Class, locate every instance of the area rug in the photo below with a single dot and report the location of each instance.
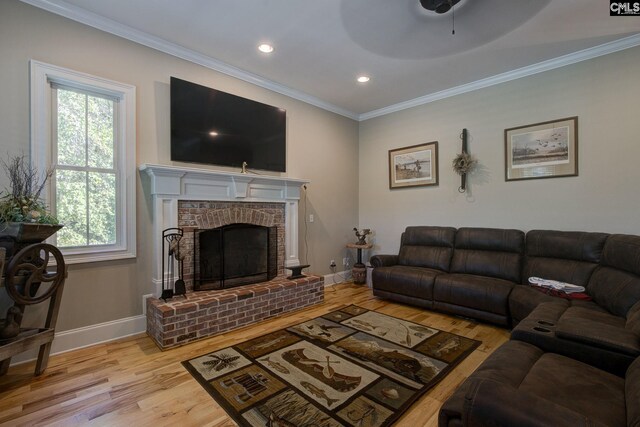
(350, 367)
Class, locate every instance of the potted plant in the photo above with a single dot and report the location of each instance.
(24, 217)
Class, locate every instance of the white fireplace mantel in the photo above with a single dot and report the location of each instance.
(168, 184)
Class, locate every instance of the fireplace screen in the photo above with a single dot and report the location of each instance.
(234, 255)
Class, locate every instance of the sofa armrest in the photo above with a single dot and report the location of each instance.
(383, 260)
(492, 403)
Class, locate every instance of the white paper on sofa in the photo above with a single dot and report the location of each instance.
(556, 285)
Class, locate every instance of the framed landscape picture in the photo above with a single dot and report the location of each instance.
(414, 166)
(542, 150)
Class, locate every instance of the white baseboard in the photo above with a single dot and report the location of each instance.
(337, 278)
(86, 336)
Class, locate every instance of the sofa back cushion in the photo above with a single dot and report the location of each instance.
(426, 246)
(622, 251)
(566, 256)
(492, 252)
(615, 285)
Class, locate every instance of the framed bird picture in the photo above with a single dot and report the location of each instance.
(542, 150)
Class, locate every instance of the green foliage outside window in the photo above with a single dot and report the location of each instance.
(85, 176)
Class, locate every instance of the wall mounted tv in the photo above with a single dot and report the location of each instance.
(214, 127)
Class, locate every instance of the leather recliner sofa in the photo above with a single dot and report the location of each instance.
(569, 362)
(469, 272)
(483, 273)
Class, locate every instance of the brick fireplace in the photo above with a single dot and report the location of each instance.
(195, 199)
(206, 215)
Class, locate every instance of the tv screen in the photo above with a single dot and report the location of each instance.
(214, 127)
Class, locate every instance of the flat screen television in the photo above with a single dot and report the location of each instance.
(213, 127)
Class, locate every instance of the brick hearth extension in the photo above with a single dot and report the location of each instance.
(207, 313)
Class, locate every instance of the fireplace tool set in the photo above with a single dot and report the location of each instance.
(173, 281)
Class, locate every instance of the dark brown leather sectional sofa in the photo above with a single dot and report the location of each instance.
(483, 273)
(524, 386)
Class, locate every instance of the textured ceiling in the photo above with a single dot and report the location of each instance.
(321, 46)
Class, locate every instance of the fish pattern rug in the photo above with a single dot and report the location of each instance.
(350, 367)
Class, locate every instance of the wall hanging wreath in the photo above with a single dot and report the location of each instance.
(464, 163)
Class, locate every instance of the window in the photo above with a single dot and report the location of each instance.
(84, 127)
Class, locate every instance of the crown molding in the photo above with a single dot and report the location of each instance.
(96, 21)
(75, 13)
(551, 64)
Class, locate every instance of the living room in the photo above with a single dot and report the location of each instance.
(345, 160)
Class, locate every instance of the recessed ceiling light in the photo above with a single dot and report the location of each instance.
(213, 133)
(265, 48)
(363, 79)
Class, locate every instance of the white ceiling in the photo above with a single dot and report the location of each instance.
(321, 46)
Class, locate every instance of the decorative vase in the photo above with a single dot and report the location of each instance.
(359, 272)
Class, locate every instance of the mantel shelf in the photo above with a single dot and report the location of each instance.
(179, 180)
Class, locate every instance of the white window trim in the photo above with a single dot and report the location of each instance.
(41, 133)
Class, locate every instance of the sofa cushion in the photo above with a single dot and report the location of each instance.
(568, 245)
(622, 252)
(490, 403)
(597, 329)
(614, 289)
(527, 373)
(616, 284)
(523, 299)
(501, 265)
(591, 305)
(478, 292)
(490, 239)
(411, 281)
(562, 270)
(587, 390)
(566, 256)
(430, 247)
(489, 252)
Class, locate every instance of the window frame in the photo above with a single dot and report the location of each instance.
(42, 150)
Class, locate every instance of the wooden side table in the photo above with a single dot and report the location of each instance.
(24, 274)
(359, 270)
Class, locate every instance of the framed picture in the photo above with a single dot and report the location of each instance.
(414, 166)
(542, 150)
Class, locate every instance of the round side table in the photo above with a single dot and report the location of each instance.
(359, 270)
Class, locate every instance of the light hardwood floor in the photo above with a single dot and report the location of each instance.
(130, 382)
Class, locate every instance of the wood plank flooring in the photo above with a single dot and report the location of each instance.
(130, 382)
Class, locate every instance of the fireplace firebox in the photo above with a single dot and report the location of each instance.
(234, 255)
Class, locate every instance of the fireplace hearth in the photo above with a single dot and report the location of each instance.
(234, 255)
(203, 314)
